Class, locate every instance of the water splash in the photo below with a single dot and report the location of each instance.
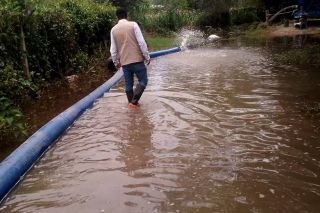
(213, 37)
(195, 38)
(191, 38)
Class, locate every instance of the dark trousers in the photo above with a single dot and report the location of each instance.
(136, 69)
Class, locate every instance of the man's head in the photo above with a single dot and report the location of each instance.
(121, 13)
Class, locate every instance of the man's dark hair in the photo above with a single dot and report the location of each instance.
(121, 13)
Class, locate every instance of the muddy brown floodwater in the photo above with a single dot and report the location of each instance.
(219, 130)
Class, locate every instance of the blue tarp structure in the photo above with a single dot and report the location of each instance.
(308, 8)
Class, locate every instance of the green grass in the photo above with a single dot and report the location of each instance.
(256, 33)
(161, 42)
(308, 55)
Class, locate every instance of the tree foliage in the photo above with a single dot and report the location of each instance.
(128, 4)
(10, 118)
(59, 36)
(215, 6)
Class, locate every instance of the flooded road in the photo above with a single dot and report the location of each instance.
(218, 130)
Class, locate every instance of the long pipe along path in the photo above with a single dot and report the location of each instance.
(17, 164)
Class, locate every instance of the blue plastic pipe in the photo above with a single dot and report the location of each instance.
(15, 166)
(164, 52)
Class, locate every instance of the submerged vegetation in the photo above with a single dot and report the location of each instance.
(309, 54)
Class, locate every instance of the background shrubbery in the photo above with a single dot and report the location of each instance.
(166, 16)
(164, 20)
(245, 15)
(60, 37)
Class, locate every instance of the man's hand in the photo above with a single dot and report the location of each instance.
(118, 66)
(148, 62)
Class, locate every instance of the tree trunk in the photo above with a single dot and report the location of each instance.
(24, 54)
(106, 44)
(279, 13)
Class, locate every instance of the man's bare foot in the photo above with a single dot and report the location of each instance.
(133, 106)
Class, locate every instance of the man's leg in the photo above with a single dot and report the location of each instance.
(129, 95)
(137, 94)
(141, 73)
(128, 78)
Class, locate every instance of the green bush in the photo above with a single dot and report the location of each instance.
(221, 19)
(12, 87)
(91, 21)
(164, 21)
(60, 37)
(243, 15)
(51, 43)
(56, 35)
(13, 84)
(9, 39)
(11, 118)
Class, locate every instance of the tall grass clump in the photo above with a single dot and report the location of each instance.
(159, 19)
(173, 20)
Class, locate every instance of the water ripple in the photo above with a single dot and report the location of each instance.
(220, 134)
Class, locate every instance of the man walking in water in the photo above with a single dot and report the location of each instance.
(129, 50)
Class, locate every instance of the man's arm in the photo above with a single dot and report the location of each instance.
(114, 52)
(142, 43)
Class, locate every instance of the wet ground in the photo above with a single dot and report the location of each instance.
(280, 30)
(219, 130)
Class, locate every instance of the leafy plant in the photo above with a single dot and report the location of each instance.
(11, 118)
(59, 36)
(14, 85)
(55, 34)
(169, 20)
